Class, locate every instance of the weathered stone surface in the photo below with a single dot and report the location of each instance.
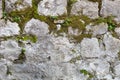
(52, 7)
(55, 57)
(84, 7)
(112, 47)
(11, 5)
(3, 70)
(10, 50)
(49, 48)
(45, 71)
(90, 48)
(64, 50)
(40, 51)
(27, 71)
(99, 29)
(117, 69)
(8, 29)
(0, 8)
(36, 27)
(117, 30)
(101, 68)
(111, 8)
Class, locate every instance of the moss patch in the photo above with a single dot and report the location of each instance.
(80, 37)
(27, 37)
(109, 20)
(76, 22)
(85, 72)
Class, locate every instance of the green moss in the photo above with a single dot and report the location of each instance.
(16, 19)
(99, 20)
(29, 37)
(109, 20)
(86, 19)
(75, 22)
(85, 72)
(25, 15)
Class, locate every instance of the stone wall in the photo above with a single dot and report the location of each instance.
(59, 40)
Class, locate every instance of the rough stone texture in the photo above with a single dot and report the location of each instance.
(8, 29)
(90, 48)
(100, 67)
(117, 69)
(0, 8)
(12, 5)
(117, 30)
(49, 48)
(111, 8)
(84, 7)
(52, 7)
(55, 57)
(9, 50)
(112, 47)
(36, 27)
(45, 71)
(100, 29)
(3, 69)
(97, 67)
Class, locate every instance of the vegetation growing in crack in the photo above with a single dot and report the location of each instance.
(21, 58)
(1, 56)
(85, 72)
(3, 5)
(29, 38)
(76, 22)
(73, 60)
(80, 37)
(69, 5)
(4, 16)
(109, 20)
(119, 55)
(8, 71)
